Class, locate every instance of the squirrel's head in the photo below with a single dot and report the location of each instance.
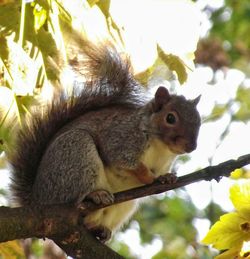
(176, 120)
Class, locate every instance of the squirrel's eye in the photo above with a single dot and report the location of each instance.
(171, 119)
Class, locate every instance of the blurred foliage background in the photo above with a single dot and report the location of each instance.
(168, 41)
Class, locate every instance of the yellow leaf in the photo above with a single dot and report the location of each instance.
(40, 16)
(245, 250)
(92, 2)
(3, 162)
(240, 197)
(11, 250)
(8, 109)
(174, 63)
(237, 173)
(143, 77)
(239, 252)
(230, 231)
(231, 253)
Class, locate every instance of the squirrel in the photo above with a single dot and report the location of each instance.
(103, 139)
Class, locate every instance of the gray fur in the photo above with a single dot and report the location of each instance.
(110, 83)
(61, 156)
(64, 168)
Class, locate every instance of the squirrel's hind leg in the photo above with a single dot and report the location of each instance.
(69, 169)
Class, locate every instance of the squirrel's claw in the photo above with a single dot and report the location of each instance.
(101, 197)
(168, 178)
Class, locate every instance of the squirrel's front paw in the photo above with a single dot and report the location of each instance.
(101, 197)
(168, 178)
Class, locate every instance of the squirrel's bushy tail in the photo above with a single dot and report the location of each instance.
(109, 82)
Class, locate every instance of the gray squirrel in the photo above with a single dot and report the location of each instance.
(103, 140)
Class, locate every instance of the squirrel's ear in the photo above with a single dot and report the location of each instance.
(196, 100)
(162, 96)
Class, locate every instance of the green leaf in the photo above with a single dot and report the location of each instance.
(174, 63)
(144, 76)
(4, 51)
(217, 112)
(24, 102)
(10, 18)
(121, 248)
(37, 248)
(161, 217)
(243, 97)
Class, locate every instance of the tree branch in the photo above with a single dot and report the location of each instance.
(61, 223)
(64, 223)
(209, 173)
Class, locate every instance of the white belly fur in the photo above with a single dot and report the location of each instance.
(157, 157)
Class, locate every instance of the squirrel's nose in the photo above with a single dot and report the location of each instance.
(190, 146)
(186, 145)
